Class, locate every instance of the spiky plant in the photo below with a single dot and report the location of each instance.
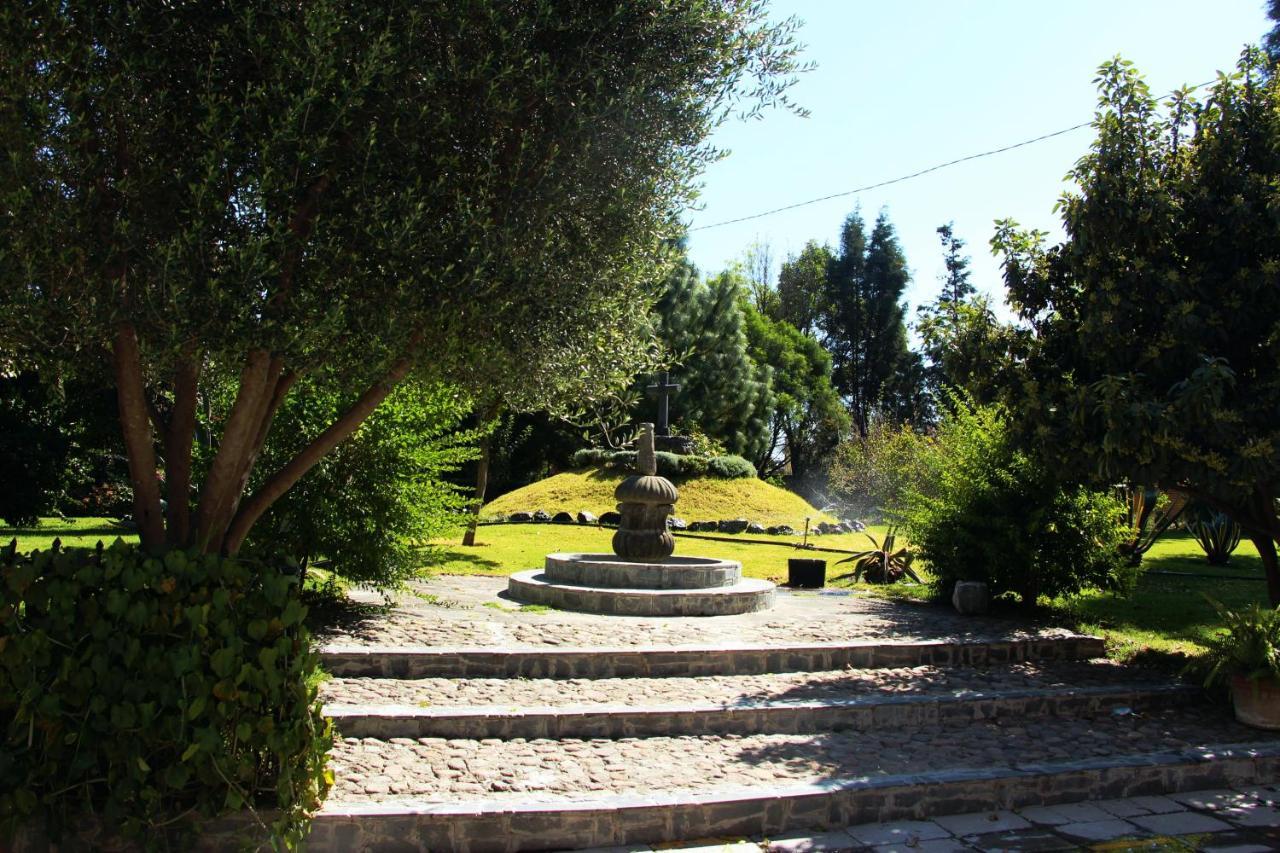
(882, 563)
(1218, 535)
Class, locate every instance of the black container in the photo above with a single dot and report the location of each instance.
(805, 573)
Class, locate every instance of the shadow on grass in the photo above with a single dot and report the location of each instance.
(438, 557)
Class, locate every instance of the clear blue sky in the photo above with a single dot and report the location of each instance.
(906, 84)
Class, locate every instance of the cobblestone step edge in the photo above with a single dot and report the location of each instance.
(860, 713)
(503, 827)
(691, 661)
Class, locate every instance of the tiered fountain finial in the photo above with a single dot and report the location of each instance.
(644, 502)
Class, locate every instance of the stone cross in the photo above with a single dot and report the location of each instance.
(664, 387)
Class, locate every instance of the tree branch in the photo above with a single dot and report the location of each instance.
(341, 429)
(136, 427)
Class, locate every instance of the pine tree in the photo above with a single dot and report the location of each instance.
(723, 392)
(956, 288)
(863, 323)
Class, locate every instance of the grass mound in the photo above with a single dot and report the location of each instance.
(701, 499)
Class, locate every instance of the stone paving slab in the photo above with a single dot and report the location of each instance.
(546, 770)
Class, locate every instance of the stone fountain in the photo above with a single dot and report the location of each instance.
(641, 577)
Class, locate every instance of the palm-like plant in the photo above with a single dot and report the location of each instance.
(882, 563)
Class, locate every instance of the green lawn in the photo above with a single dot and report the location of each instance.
(74, 533)
(505, 548)
(1167, 616)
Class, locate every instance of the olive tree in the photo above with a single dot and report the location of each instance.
(1154, 353)
(358, 192)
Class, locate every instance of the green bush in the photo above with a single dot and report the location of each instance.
(671, 465)
(372, 504)
(144, 690)
(984, 511)
(730, 467)
(870, 474)
(588, 457)
(693, 466)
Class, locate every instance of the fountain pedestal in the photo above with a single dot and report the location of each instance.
(642, 578)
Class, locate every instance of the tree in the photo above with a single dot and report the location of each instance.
(1271, 41)
(256, 192)
(808, 419)
(757, 266)
(802, 287)
(723, 392)
(863, 319)
(956, 288)
(1155, 357)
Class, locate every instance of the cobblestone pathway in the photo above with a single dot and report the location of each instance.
(730, 689)
(468, 612)
(551, 770)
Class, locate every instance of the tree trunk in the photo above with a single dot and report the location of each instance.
(135, 424)
(482, 483)
(178, 438)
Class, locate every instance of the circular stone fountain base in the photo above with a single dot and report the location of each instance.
(744, 596)
(610, 570)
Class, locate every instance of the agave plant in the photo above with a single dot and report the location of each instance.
(1217, 533)
(881, 563)
(1151, 512)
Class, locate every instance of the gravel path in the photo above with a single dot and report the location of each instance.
(460, 611)
(728, 689)
(552, 771)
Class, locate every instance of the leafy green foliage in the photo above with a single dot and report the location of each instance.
(808, 418)
(802, 283)
(981, 510)
(1217, 534)
(141, 689)
(882, 563)
(1156, 342)
(33, 449)
(1250, 645)
(370, 506)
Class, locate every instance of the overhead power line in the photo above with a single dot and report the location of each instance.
(902, 178)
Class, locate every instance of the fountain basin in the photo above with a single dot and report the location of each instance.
(614, 572)
(746, 596)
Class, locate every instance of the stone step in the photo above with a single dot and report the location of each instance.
(743, 704)
(495, 795)
(562, 662)
(860, 713)
(747, 595)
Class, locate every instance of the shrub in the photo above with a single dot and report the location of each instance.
(730, 467)
(371, 505)
(588, 457)
(869, 475)
(141, 689)
(669, 464)
(984, 511)
(693, 466)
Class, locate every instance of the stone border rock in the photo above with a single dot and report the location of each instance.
(863, 713)
(661, 661)
(497, 827)
(746, 596)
